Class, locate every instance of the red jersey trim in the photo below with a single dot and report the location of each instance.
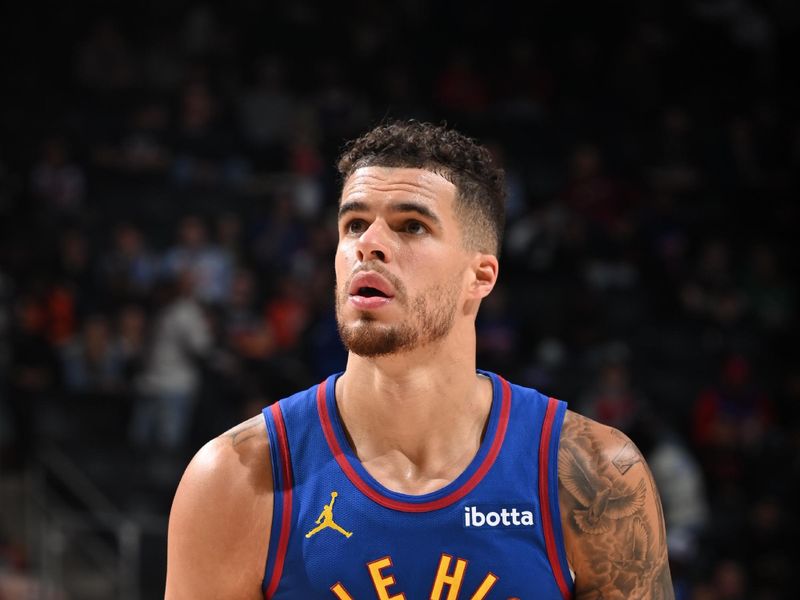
(544, 498)
(286, 496)
(454, 496)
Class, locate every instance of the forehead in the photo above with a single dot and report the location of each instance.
(399, 184)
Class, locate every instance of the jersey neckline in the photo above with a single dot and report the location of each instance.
(441, 498)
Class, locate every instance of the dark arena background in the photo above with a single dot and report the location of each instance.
(167, 200)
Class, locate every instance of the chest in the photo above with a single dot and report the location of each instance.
(343, 545)
(493, 532)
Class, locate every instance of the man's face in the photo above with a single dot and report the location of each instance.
(400, 262)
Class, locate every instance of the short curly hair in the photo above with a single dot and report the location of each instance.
(480, 188)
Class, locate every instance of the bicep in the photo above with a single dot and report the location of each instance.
(219, 527)
(611, 513)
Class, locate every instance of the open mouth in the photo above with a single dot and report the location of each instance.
(370, 286)
(370, 292)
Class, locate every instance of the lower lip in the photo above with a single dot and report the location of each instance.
(369, 303)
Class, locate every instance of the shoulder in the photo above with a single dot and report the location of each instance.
(607, 444)
(220, 517)
(240, 456)
(611, 514)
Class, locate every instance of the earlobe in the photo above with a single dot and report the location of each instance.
(485, 269)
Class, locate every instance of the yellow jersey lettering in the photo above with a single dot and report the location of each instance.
(383, 582)
(452, 581)
(339, 591)
(485, 586)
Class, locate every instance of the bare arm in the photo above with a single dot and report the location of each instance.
(220, 521)
(612, 516)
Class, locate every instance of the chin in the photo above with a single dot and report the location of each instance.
(370, 339)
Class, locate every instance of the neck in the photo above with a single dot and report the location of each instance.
(415, 419)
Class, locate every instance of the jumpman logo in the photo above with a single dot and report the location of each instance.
(325, 520)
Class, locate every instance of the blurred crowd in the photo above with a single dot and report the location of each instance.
(168, 195)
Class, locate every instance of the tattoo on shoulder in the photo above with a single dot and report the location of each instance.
(608, 510)
(244, 431)
(626, 458)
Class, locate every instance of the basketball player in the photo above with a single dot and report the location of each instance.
(412, 475)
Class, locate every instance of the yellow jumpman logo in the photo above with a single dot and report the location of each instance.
(325, 519)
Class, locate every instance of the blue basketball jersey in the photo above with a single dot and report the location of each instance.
(493, 533)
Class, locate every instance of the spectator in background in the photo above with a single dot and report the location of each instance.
(340, 108)
(229, 232)
(535, 239)
(279, 235)
(141, 149)
(246, 332)
(94, 379)
(168, 385)
(729, 421)
(205, 150)
(266, 112)
(546, 367)
(711, 294)
(243, 345)
(305, 163)
(602, 202)
(210, 266)
(61, 312)
(57, 181)
(32, 375)
(74, 288)
(516, 192)
(497, 331)
(772, 529)
(729, 581)
(611, 398)
(320, 344)
(666, 236)
(91, 364)
(771, 297)
(130, 340)
(129, 270)
(288, 312)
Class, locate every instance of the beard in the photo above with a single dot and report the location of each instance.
(431, 315)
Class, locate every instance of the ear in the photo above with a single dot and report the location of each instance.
(485, 269)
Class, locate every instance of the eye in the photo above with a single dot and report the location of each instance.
(415, 228)
(355, 227)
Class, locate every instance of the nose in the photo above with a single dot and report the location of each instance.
(374, 244)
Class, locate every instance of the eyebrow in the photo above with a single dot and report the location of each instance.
(401, 207)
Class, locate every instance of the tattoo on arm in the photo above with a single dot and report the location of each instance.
(626, 458)
(612, 514)
(244, 431)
